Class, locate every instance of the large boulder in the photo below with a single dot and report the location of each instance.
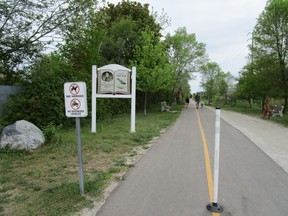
(22, 135)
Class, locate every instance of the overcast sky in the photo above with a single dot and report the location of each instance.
(223, 25)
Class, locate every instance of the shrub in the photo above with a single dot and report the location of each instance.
(51, 134)
(42, 101)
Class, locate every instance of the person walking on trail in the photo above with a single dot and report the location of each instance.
(187, 100)
(197, 99)
(266, 109)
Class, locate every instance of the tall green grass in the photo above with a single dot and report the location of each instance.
(46, 181)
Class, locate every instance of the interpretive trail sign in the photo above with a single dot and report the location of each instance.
(113, 81)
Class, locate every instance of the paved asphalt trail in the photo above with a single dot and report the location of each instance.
(171, 178)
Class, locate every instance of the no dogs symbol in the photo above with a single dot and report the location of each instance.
(74, 89)
(75, 104)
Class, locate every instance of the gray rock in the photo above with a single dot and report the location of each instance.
(22, 135)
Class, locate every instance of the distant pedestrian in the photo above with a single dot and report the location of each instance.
(197, 100)
(187, 100)
(202, 105)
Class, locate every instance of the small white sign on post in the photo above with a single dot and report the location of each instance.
(75, 99)
(76, 106)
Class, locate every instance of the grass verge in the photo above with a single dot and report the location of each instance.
(46, 182)
(256, 112)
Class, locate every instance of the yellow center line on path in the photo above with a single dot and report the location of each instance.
(207, 161)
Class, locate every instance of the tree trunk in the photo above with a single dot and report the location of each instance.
(173, 92)
(145, 103)
(285, 103)
(250, 105)
(263, 102)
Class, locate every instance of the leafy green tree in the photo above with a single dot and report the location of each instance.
(209, 72)
(222, 85)
(120, 43)
(246, 87)
(109, 35)
(26, 27)
(124, 23)
(154, 72)
(215, 82)
(257, 81)
(231, 86)
(270, 42)
(42, 101)
(186, 55)
(82, 41)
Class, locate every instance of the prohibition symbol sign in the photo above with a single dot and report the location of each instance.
(75, 104)
(74, 88)
(75, 99)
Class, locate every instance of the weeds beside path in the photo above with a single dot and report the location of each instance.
(46, 181)
(256, 112)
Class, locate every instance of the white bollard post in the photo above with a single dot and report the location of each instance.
(214, 206)
(94, 86)
(133, 100)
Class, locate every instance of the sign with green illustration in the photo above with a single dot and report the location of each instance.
(113, 82)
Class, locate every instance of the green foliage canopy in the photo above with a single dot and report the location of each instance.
(186, 55)
(42, 101)
(123, 24)
(26, 27)
(269, 49)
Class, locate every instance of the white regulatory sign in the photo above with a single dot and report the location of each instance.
(75, 99)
